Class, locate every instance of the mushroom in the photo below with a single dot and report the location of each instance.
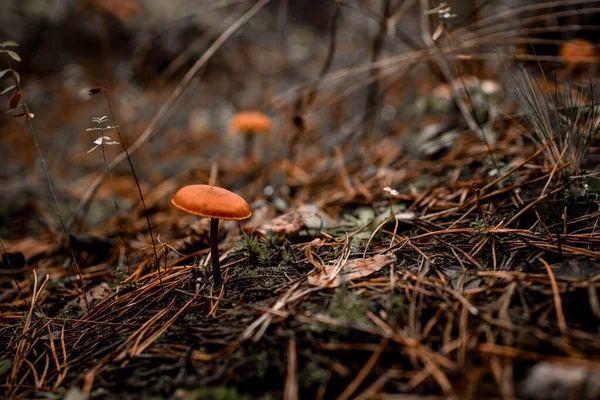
(250, 123)
(215, 203)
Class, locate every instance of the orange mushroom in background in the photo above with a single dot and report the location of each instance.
(124, 10)
(249, 124)
(215, 203)
(577, 52)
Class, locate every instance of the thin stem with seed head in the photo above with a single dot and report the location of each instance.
(137, 183)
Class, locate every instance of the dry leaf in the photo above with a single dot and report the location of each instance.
(14, 100)
(286, 224)
(94, 296)
(29, 247)
(261, 214)
(352, 269)
(307, 216)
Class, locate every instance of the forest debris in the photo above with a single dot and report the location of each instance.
(30, 247)
(262, 212)
(92, 243)
(306, 216)
(551, 381)
(578, 268)
(352, 269)
(289, 224)
(94, 296)
(158, 195)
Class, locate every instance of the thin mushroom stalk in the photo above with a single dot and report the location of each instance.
(214, 251)
(250, 147)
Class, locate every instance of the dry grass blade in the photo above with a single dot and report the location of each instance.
(24, 346)
(560, 119)
(562, 324)
(291, 381)
(364, 371)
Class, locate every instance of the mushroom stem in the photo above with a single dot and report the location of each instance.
(251, 147)
(214, 250)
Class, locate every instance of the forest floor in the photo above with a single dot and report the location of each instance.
(405, 239)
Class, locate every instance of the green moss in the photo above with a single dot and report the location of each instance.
(262, 251)
(312, 375)
(357, 244)
(397, 308)
(346, 306)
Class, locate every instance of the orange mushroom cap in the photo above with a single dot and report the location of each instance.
(250, 122)
(125, 10)
(577, 51)
(211, 201)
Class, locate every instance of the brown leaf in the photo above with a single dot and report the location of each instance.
(306, 216)
(94, 296)
(286, 224)
(29, 247)
(352, 269)
(14, 100)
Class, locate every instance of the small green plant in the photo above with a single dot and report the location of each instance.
(287, 254)
(248, 245)
(358, 244)
(366, 220)
(264, 251)
(478, 227)
(65, 313)
(101, 127)
(121, 272)
(268, 249)
(81, 207)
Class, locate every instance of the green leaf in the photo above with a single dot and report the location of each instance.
(5, 365)
(13, 55)
(10, 43)
(366, 215)
(4, 72)
(8, 89)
